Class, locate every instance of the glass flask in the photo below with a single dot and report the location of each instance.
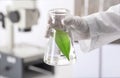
(53, 55)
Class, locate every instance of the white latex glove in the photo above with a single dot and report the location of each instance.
(78, 26)
(80, 31)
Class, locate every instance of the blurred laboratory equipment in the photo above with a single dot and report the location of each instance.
(15, 59)
(53, 55)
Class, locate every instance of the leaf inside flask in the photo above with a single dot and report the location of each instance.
(62, 40)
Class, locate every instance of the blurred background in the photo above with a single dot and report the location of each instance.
(100, 63)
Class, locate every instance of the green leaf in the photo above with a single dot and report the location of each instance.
(62, 40)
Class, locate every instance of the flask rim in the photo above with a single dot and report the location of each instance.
(59, 11)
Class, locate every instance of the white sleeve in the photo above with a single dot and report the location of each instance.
(104, 28)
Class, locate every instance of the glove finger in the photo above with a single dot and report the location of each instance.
(72, 20)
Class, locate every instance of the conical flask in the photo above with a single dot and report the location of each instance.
(53, 55)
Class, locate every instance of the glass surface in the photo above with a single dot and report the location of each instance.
(53, 55)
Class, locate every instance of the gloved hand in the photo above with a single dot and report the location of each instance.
(78, 26)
